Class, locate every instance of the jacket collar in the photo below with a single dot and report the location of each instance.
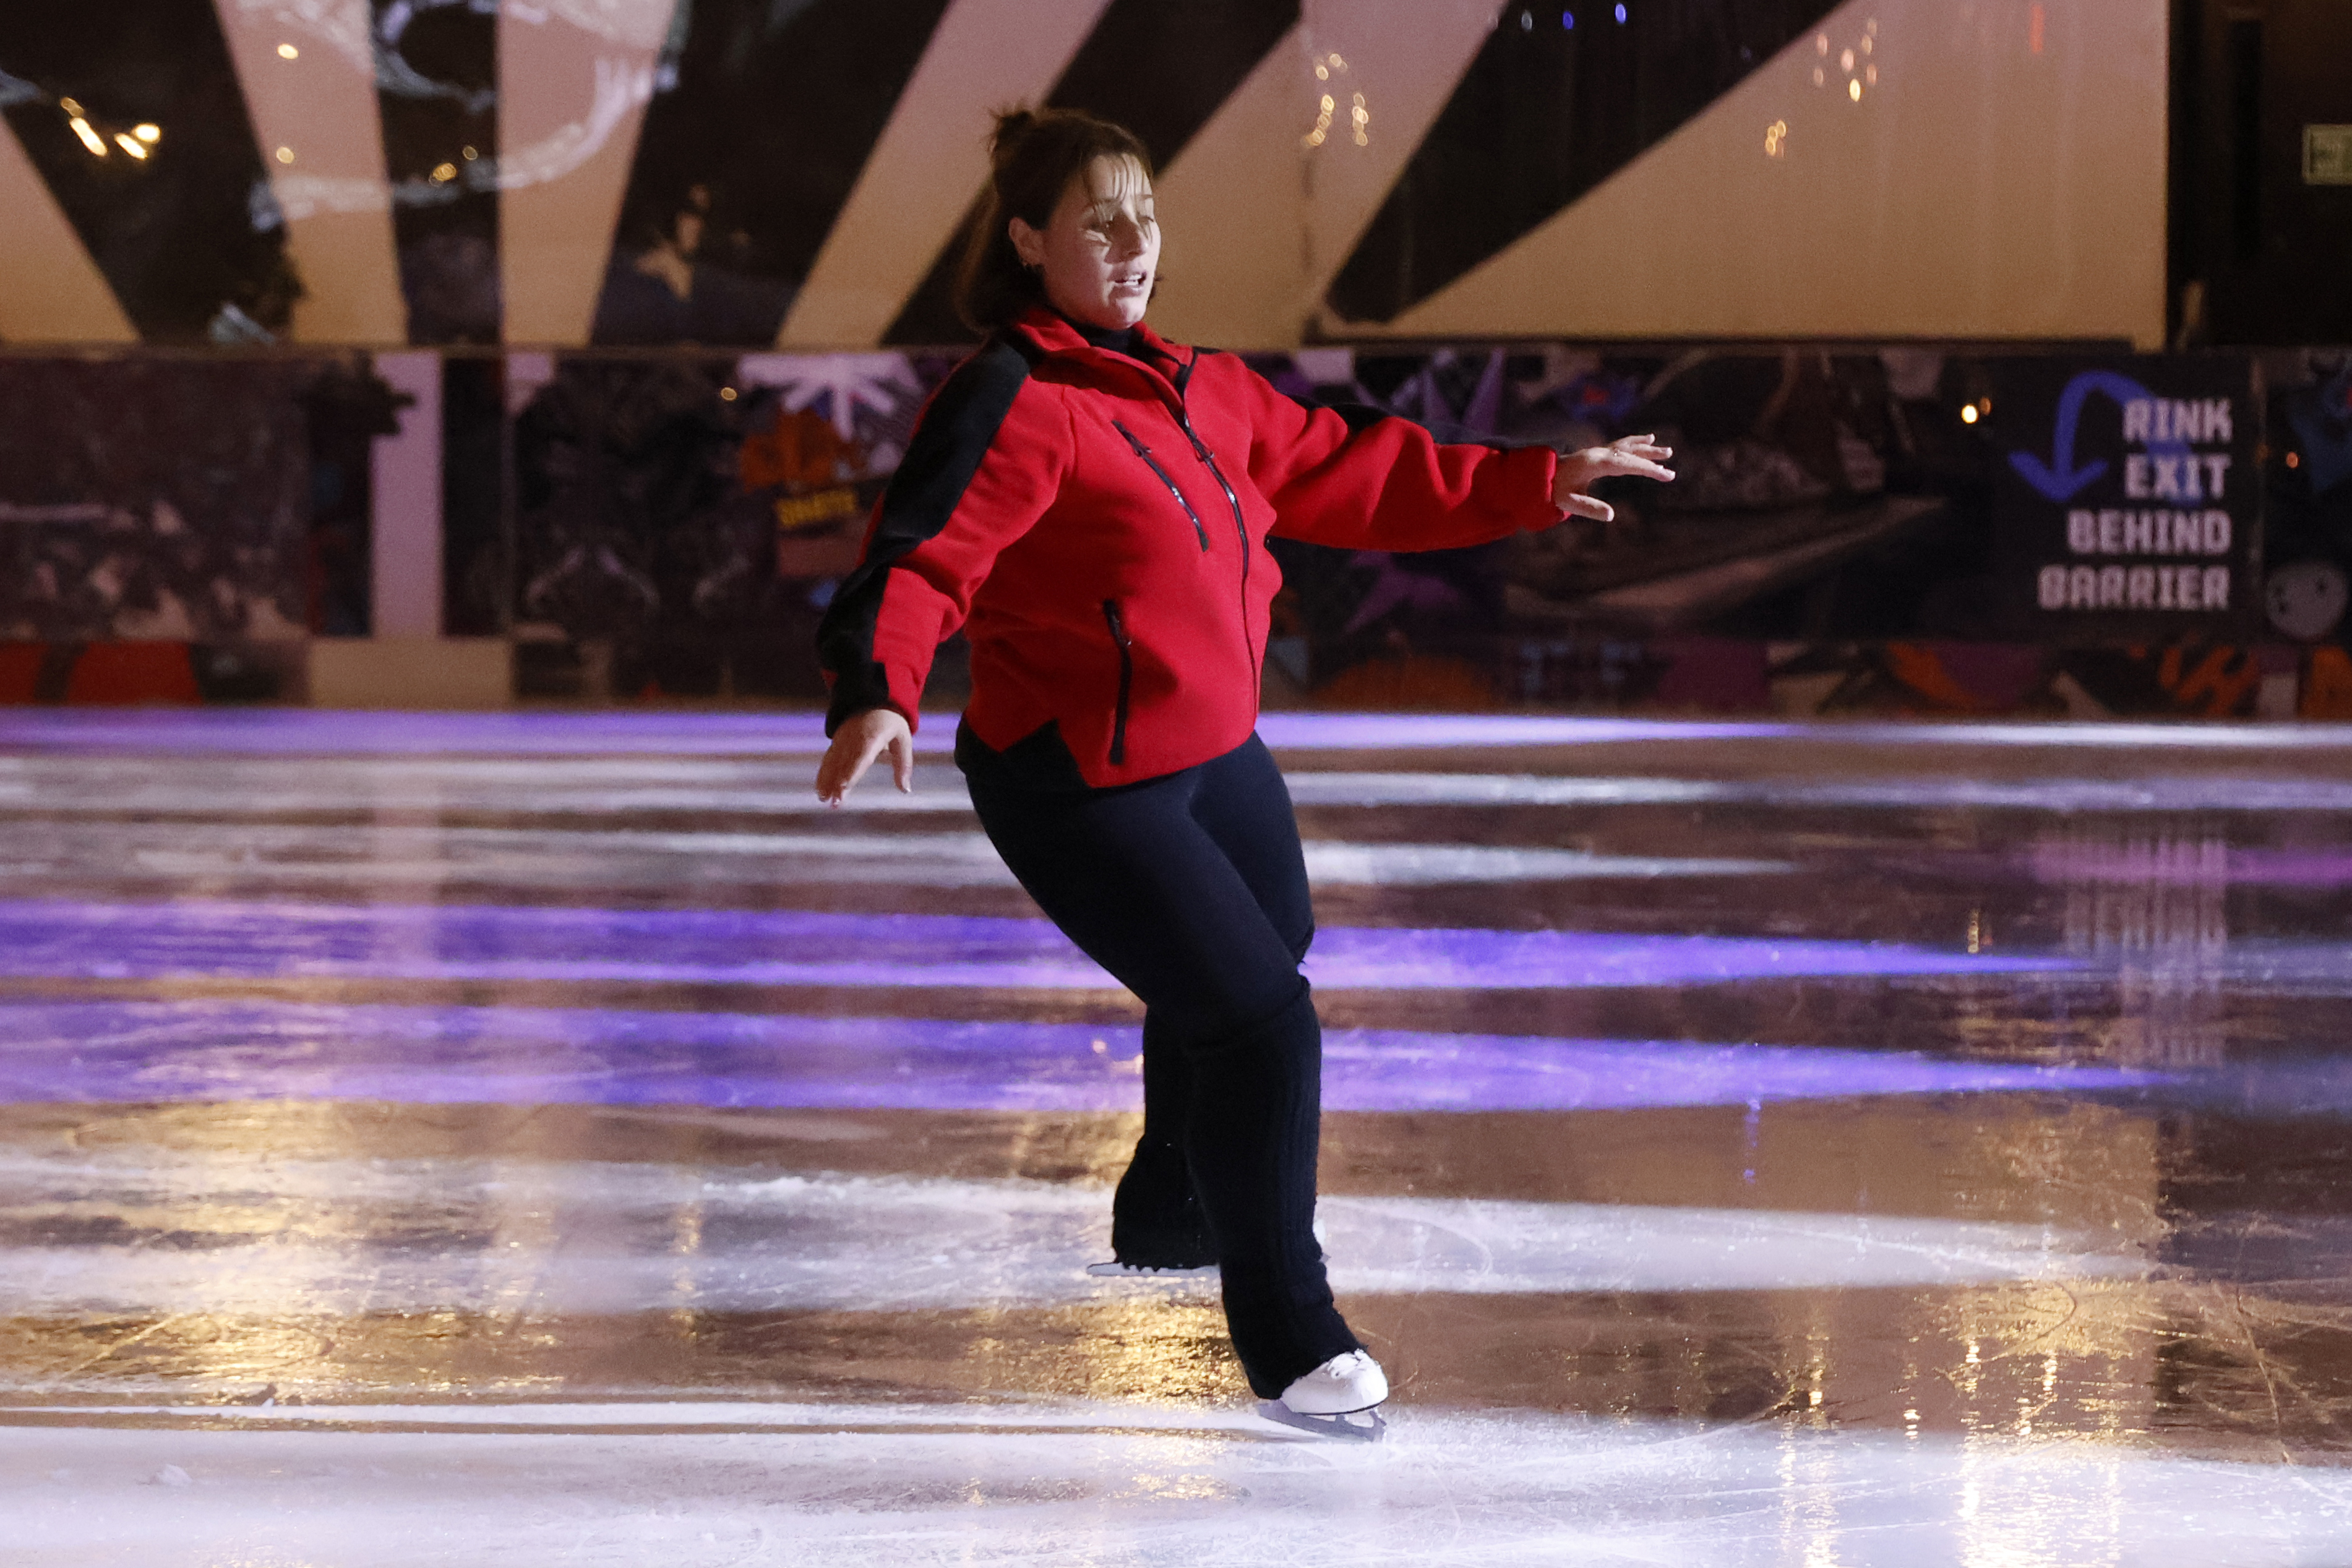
(1055, 337)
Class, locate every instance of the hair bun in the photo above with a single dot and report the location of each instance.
(1013, 127)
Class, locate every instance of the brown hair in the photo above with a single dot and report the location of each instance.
(1033, 156)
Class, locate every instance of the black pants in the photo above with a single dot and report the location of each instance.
(1191, 891)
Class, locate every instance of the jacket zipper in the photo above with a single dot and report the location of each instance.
(1145, 453)
(1208, 459)
(1118, 625)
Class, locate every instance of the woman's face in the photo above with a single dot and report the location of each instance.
(1098, 252)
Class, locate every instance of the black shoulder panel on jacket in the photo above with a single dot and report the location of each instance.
(949, 444)
(1359, 417)
(1362, 417)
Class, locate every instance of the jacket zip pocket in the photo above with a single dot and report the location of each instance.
(1208, 460)
(1118, 625)
(1145, 453)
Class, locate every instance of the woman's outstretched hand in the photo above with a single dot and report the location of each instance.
(860, 739)
(1578, 471)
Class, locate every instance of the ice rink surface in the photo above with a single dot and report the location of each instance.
(552, 1139)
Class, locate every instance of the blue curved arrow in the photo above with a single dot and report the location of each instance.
(2059, 479)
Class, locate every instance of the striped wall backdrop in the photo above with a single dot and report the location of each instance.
(797, 173)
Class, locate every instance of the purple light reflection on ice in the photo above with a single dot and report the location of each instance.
(274, 731)
(481, 942)
(227, 1050)
(1381, 957)
(2278, 868)
(286, 731)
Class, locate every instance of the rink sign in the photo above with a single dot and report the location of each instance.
(2126, 493)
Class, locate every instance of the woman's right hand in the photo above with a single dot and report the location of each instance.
(1640, 455)
(861, 738)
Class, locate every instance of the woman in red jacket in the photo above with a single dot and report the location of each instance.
(1090, 505)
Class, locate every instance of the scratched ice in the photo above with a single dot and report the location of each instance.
(305, 1231)
(227, 1050)
(1076, 1484)
(235, 785)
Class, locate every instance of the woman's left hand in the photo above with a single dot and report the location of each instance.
(1578, 471)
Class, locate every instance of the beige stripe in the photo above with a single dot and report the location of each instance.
(574, 77)
(50, 290)
(1258, 217)
(1976, 189)
(1406, 56)
(319, 106)
(1233, 211)
(930, 161)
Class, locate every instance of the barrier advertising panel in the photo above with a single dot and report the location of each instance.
(2127, 494)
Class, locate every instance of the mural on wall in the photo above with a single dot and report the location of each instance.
(684, 521)
(672, 528)
(154, 499)
(1829, 548)
(157, 539)
(2307, 517)
(1818, 496)
(2185, 679)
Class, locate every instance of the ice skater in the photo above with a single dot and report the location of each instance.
(1090, 504)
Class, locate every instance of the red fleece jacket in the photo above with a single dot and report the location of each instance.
(1096, 524)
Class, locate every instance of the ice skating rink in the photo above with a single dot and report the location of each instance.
(543, 1139)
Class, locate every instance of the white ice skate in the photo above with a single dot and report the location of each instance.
(1335, 1400)
(1115, 1270)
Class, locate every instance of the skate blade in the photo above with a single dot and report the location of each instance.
(1117, 1271)
(1354, 1427)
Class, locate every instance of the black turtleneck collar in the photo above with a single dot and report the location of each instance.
(1119, 341)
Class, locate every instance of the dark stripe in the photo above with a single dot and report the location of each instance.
(766, 116)
(1548, 111)
(186, 232)
(437, 93)
(1162, 67)
(946, 451)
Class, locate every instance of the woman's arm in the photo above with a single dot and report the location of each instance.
(984, 462)
(1364, 479)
